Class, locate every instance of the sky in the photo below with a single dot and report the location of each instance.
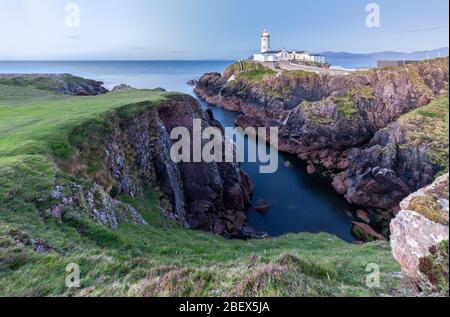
(213, 29)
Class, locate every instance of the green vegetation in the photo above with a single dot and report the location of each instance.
(40, 124)
(37, 131)
(428, 126)
(298, 74)
(40, 82)
(412, 71)
(307, 107)
(435, 267)
(430, 208)
(362, 91)
(346, 106)
(277, 93)
(252, 72)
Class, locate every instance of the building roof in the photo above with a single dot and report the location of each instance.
(271, 52)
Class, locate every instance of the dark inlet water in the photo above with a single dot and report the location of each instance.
(298, 202)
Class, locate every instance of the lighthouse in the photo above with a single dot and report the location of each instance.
(265, 42)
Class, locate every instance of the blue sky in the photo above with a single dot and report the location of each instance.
(214, 29)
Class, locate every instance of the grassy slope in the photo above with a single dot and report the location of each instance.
(159, 259)
(429, 126)
(253, 72)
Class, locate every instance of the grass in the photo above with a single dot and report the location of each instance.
(308, 109)
(43, 124)
(252, 72)
(298, 74)
(346, 106)
(435, 267)
(38, 128)
(39, 82)
(429, 207)
(428, 126)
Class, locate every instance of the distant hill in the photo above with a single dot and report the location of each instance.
(352, 60)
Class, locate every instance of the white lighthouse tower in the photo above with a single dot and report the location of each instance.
(265, 42)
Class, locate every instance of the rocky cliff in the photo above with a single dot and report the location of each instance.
(129, 152)
(343, 125)
(419, 237)
(65, 84)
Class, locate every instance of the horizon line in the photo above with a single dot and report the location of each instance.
(208, 59)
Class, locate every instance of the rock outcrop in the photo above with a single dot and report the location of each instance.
(73, 201)
(134, 153)
(419, 236)
(365, 233)
(65, 84)
(345, 126)
(122, 87)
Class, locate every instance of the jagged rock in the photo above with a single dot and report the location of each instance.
(196, 195)
(64, 83)
(122, 87)
(364, 216)
(192, 82)
(311, 169)
(288, 164)
(73, 200)
(365, 233)
(420, 232)
(345, 124)
(41, 246)
(250, 233)
(262, 206)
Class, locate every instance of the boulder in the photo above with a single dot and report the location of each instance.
(311, 169)
(122, 87)
(362, 215)
(262, 206)
(288, 164)
(192, 82)
(420, 234)
(366, 233)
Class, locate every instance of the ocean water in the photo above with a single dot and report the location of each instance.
(298, 202)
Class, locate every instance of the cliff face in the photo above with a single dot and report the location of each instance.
(400, 159)
(344, 125)
(132, 152)
(419, 237)
(65, 84)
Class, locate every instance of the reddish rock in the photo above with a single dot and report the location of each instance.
(262, 206)
(368, 147)
(343, 164)
(366, 233)
(395, 210)
(339, 184)
(364, 216)
(311, 169)
(288, 164)
(199, 196)
(415, 239)
(424, 100)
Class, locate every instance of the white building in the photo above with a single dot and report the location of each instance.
(267, 55)
(265, 42)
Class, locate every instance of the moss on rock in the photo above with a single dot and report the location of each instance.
(428, 127)
(436, 267)
(428, 206)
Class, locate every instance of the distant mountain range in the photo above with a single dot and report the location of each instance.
(352, 60)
